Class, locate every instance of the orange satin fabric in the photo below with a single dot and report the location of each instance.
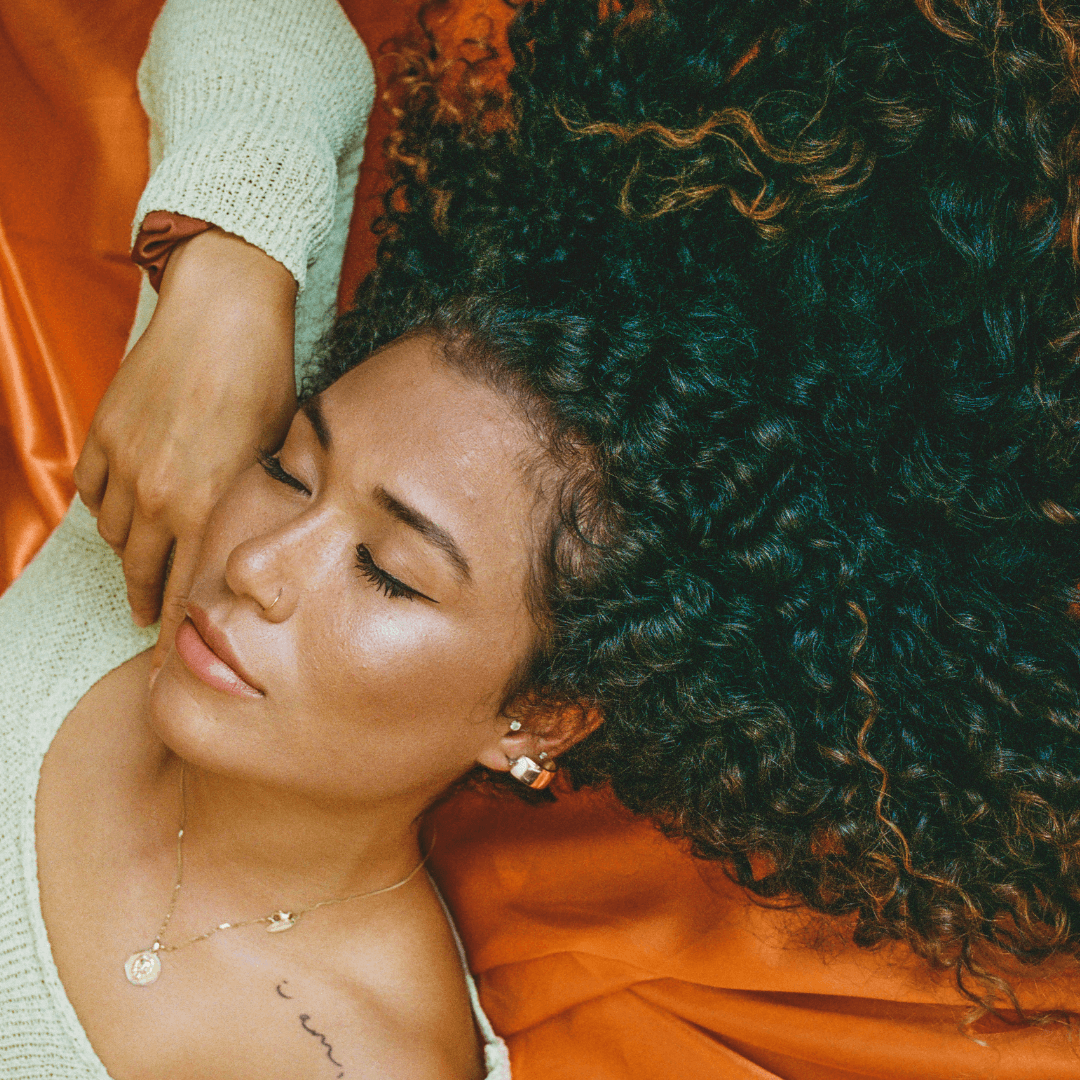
(603, 951)
(73, 161)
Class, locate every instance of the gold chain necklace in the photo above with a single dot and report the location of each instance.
(144, 967)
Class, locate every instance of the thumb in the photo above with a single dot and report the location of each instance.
(174, 602)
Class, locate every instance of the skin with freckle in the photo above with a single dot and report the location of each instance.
(357, 616)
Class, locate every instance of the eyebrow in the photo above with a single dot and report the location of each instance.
(407, 515)
(312, 409)
(432, 533)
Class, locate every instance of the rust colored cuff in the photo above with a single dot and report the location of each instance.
(161, 231)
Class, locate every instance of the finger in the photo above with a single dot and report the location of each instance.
(114, 515)
(92, 474)
(146, 557)
(174, 603)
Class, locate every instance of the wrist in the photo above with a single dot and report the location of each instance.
(225, 270)
(224, 321)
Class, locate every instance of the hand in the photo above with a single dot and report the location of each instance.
(209, 383)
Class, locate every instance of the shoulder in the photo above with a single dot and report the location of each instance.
(73, 590)
(395, 1043)
(413, 1008)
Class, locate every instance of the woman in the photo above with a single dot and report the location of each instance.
(815, 256)
(370, 620)
(847, 692)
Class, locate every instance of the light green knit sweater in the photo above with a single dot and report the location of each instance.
(258, 111)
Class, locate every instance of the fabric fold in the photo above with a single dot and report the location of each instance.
(158, 236)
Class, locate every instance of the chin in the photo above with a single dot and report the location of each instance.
(205, 727)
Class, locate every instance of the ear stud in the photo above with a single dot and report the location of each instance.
(515, 725)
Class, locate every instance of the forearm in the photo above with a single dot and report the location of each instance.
(258, 110)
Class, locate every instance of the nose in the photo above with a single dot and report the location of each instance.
(255, 571)
(271, 569)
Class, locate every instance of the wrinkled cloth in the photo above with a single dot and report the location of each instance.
(73, 161)
(604, 951)
(160, 232)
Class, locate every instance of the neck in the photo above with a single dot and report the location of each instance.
(275, 846)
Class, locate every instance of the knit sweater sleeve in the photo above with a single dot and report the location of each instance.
(258, 111)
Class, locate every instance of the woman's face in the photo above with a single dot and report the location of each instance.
(359, 607)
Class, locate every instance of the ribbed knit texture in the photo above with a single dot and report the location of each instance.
(253, 105)
(63, 624)
(258, 109)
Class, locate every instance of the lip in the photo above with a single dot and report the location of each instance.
(206, 652)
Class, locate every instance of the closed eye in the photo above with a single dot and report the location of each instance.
(365, 563)
(384, 582)
(271, 464)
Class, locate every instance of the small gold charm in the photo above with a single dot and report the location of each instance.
(142, 968)
(280, 920)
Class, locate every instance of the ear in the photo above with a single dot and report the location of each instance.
(549, 730)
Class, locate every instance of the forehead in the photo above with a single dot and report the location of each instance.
(452, 446)
(414, 402)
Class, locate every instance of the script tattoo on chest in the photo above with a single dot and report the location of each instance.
(304, 1023)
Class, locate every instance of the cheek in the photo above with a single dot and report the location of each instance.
(390, 701)
(399, 675)
(410, 690)
(367, 696)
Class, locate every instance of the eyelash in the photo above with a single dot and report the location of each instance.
(271, 464)
(384, 582)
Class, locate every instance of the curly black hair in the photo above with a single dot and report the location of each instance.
(804, 274)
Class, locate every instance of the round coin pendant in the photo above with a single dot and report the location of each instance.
(281, 920)
(142, 968)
